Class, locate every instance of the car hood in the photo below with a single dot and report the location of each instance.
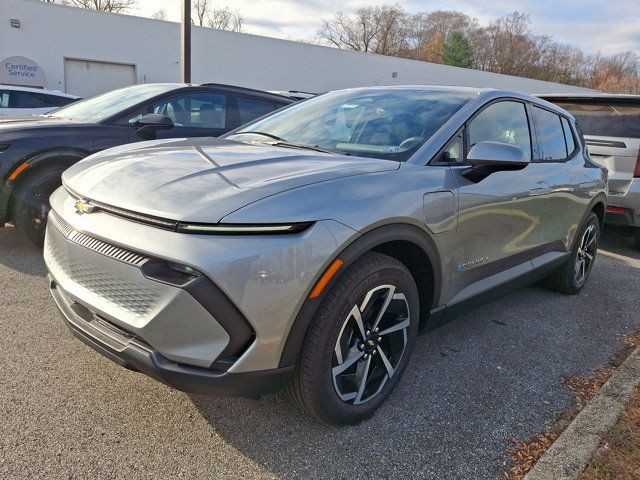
(204, 179)
(21, 122)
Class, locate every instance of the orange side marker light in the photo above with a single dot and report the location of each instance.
(18, 171)
(326, 277)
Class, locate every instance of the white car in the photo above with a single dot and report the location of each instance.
(611, 126)
(26, 100)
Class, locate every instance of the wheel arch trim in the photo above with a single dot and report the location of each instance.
(349, 254)
(35, 161)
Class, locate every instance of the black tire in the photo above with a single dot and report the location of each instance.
(31, 204)
(314, 387)
(571, 277)
(637, 238)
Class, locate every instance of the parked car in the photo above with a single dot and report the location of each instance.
(34, 151)
(309, 247)
(31, 101)
(611, 126)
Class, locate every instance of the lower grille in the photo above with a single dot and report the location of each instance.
(114, 282)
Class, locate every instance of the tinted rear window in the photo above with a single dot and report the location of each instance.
(606, 119)
(250, 109)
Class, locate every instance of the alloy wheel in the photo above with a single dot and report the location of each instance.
(586, 254)
(370, 345)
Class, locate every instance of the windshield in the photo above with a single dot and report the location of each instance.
(101, 107)
(389, 124)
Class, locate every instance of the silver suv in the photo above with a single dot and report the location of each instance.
(611, 126)
(309, 247)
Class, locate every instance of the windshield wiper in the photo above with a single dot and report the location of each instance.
(303, 147)
(281, 142)
(264, 134)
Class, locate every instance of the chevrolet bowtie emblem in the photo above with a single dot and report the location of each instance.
(83, 206)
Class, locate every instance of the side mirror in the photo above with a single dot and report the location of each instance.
(148, 125)
(488, 157)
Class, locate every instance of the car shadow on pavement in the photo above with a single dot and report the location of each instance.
(19, 254)
(620, 241)
(472, 384)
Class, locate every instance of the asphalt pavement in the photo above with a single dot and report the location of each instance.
(494, 374)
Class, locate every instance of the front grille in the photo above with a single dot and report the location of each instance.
(68, 252)
(103, 248)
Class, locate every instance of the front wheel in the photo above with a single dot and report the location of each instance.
(359, 342)
(31, 205)
(572, 276)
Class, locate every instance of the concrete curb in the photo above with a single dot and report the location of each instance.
(569, 454)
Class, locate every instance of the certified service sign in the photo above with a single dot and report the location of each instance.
(22, 71)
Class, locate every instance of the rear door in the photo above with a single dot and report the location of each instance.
(570, 183)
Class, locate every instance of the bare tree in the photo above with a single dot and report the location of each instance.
(113, 6)
(443, 22)
(225, 19)
(616, 72)
(201, 9)
(159, 15)
(383, 30)
(221, 18)
(429, 50)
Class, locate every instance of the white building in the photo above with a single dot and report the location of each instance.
(85, 52)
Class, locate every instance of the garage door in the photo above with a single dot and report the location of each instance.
(86, 78)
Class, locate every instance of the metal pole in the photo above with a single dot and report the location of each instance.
(185, 41)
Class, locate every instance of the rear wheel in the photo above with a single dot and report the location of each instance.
(31, 205)
(572, 276)
(359, 342)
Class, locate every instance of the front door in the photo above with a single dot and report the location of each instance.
(195, 114)
(499, 216)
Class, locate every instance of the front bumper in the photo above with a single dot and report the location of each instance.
(266, 279)
(132, 353)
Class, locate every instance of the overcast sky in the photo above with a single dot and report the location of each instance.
(608, 26)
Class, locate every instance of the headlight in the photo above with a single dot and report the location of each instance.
(242, 229)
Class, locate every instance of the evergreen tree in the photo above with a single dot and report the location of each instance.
(457, 51)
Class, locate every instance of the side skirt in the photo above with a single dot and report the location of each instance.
(541, 267)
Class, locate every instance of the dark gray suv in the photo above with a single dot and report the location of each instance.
(309, 247)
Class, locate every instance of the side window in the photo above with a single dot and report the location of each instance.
(195, 110)
(4, 99)
(551, 144)
(568, 136)
(452, 152)
(134, 117)
(504, 122)
(47, 100)
(27, 100)
(250, 109)
(57, 101)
